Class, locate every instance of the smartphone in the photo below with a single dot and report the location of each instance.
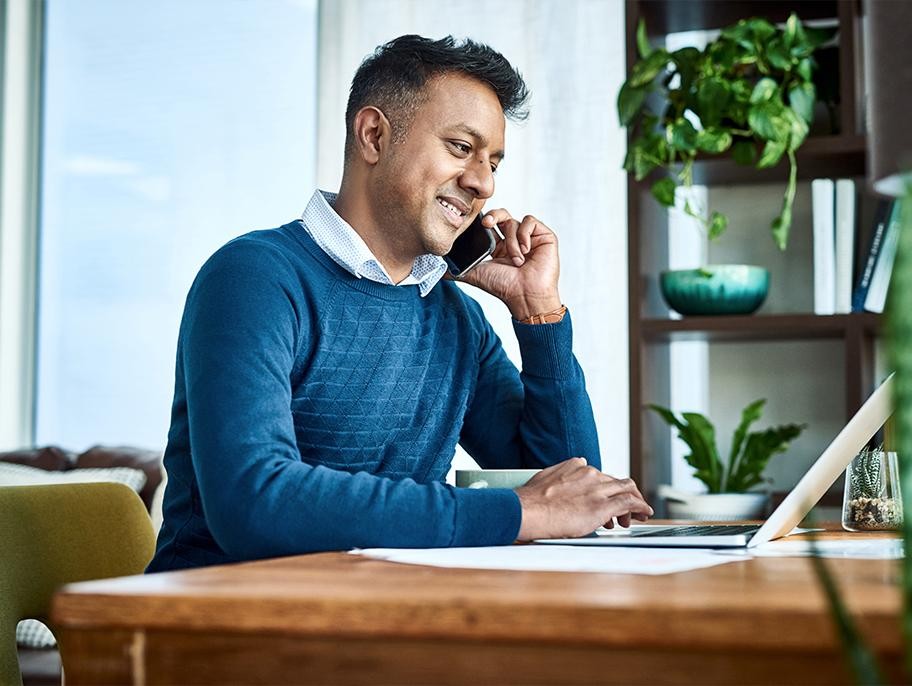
(470, 248)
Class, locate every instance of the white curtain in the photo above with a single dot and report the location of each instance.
(562, 165)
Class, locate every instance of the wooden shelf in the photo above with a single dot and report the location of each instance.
(822, 156)
(784, 327)
(672, 16)
(842, 156)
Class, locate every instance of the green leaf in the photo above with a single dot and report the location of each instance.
(643, 164)
(741, 91)
(758, 450)
(714, 140)
(781, 226)
(860, 656)
(744, 152)
(772, 153)
(687, 62)
(767, 122)
(642, 40)
(778, 55)
(790, 36)
(684, 135)
(736, 32)
(765, 90)
(749, 34)
(816, 37)
(799, 129)
(702, 441)
(761, 30)
(630, 100)
(645, 71)
(698, 434)
(749, 415)
(723, 55)
(801, 47)
(628, 161)
(649, 151)
(663, 190)
(667, 415)
(805, 68)
(801, 99)
(783, 222)
(718, 222)
(713, 96)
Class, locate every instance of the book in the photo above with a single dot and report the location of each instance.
(823, 208)
(844, 244)
(881, 219)
(883, 268)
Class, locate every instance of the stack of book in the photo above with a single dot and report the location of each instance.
(833, 204)
(835, 289)
(870, 292)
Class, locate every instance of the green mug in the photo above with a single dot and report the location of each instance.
(493, 478)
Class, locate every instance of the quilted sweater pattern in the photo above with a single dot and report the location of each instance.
(317, 411)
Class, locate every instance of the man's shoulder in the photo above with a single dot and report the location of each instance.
(268, 243)
(276, 250)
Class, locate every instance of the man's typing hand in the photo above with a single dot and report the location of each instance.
(573, 499)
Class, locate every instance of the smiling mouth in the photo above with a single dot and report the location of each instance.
(454, 212)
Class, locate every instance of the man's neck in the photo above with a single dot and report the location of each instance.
(355, 209)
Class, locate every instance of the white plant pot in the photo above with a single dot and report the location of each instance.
(713, 507)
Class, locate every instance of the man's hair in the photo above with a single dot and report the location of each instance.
(394, 79)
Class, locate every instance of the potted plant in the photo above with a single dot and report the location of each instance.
(728, 485)
(749, 94)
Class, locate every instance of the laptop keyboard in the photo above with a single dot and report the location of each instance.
(709, 530)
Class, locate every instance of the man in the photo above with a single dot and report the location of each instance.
(325, 373)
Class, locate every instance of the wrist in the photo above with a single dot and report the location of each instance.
(529, 525)
(524, 308)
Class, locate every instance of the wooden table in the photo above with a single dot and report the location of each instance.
(337, 618)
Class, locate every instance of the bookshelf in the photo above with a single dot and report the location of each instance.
(846, 341)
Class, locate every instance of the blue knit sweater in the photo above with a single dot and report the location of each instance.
(317, 411)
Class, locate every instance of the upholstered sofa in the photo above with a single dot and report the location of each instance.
(139, 468)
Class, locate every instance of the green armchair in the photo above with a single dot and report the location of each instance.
(58, 534)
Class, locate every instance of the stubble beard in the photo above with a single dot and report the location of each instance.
(414, 229)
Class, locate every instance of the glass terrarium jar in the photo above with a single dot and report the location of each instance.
(872, 500)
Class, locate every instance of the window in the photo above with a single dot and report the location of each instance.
(169, 127)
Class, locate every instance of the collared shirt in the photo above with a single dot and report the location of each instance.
(343, 244)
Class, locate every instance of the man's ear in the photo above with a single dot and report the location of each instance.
(372, 133)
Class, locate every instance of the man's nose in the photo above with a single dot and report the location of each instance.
(478, 178)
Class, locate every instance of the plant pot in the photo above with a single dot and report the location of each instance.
(718, 289)
(713, 507)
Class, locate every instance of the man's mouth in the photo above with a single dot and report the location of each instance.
(454, 210)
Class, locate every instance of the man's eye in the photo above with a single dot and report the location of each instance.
(461, 147)
(493, 168)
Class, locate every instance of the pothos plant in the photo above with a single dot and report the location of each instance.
(749, 93)
(749, 454)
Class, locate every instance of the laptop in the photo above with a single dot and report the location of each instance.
(822, 474)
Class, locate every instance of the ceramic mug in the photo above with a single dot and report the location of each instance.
(493, 478)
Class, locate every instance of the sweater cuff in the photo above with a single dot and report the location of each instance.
(545, 347)
(486, 516)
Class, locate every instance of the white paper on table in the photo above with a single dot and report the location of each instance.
(556, 558)
(860, 549)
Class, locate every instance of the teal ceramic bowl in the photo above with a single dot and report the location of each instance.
(718, 289)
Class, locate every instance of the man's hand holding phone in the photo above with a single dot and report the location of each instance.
(524, 268)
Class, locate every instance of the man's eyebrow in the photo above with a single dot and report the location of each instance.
(465, 128)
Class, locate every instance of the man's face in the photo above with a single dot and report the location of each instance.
(436, 180)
